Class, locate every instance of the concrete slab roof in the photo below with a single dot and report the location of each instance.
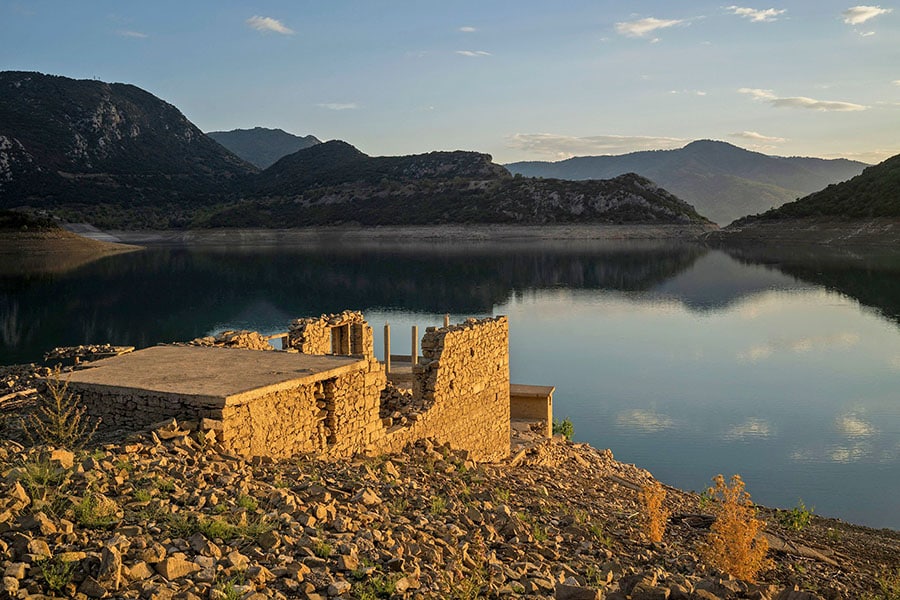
(230, 375)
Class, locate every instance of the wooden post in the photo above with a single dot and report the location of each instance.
(387, 348)
(414, 349)
(447, 320)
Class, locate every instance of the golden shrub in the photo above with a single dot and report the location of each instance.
(652, 497)
(734, 544)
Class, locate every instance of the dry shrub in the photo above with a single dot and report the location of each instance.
(60, 418)
(734, 545)
(652, 497)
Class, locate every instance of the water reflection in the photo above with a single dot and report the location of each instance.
(684, 360)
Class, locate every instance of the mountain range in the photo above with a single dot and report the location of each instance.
(723, 182)
(118, 157)
(260, 146)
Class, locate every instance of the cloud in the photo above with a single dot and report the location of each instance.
(896, 82)
(801, 101)
(564, 146)
(473, 53)
(644, 421)
(692, 92)
(339, 105)
(757, 16)
(749, 429)
(756, 136)
(642, 27)
(267, 24)
(862, 13)
(866, 33)
(132, 34)
(467, 29)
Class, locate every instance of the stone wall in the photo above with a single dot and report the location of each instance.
(343, 333)
(464, 382)
(132, 410)
(334, 417)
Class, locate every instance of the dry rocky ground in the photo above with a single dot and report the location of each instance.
(165, 514)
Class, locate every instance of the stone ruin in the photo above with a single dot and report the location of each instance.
(327, 395)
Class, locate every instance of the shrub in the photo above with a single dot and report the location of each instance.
(60, 419)
(888, 586)
(564, 428)
(96, 512)
(652, 498)
(56, 573)
(797, 518)
(734, 545)
(47, 484)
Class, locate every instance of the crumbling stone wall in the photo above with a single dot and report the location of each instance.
(333, 417)
(464, 382)
(344, 333)
(132, 410)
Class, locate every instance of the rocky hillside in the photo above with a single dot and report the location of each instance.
(260, 146)
(862, 211)
(166, 514)
(722, 181)
(335, 183)
(105, 151)
(117, 157)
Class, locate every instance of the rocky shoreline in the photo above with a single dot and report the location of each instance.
(827, 231)
(409, 234)
(167, 514)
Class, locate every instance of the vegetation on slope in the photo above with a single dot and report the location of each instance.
(874, 193)
(722, 181)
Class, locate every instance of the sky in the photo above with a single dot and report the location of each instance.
(521, 79)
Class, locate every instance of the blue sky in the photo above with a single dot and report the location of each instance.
(521, 80)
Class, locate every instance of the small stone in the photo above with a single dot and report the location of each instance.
(63, 458)
(176, 568)
(16, 570)
(139, 571)
(92, 588)
(110, 572)
(39, 548)
(347, 562)
(576, 592)
(237, 560)
(339, 587)
(154, 553)
(10, 585)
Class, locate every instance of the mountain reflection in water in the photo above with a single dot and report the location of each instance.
(781, 365)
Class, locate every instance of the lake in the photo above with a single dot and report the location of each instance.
(780, 365)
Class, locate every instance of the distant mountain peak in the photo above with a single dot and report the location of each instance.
(262, 146)
(722, 181)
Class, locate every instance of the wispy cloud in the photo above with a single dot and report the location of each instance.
(468, 29)
(565, 146)
(757, 16)
(268, 24)
(131, 34)
(339, 105)
(757, 137)
(643, 27)
(860, 14)
(800, 101)
(896, 82)
(690, 92)
(473, 53)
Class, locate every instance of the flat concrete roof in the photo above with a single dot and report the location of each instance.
(229, 375)
(534, 391)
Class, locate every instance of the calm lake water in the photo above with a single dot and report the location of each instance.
(781, 366)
